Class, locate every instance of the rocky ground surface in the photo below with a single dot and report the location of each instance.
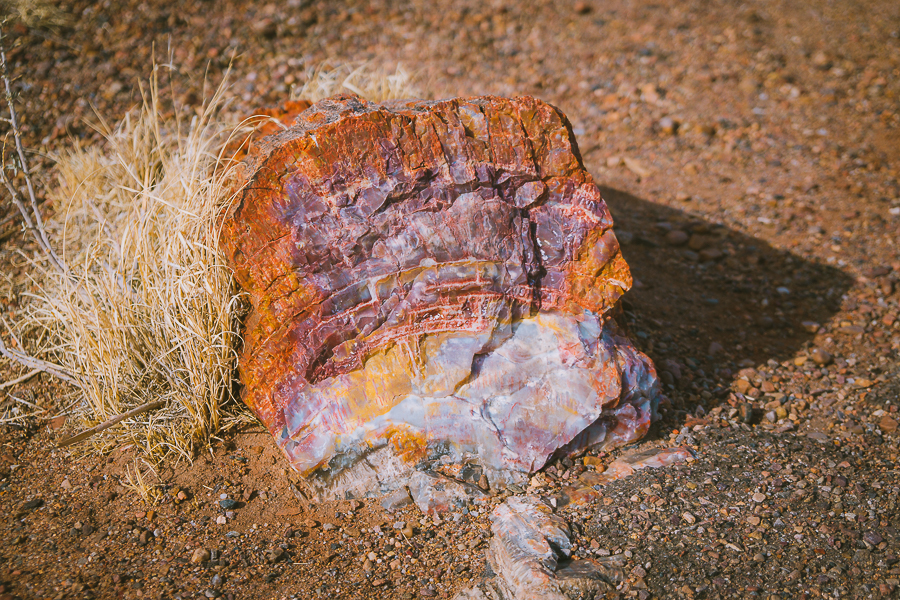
(749, 155)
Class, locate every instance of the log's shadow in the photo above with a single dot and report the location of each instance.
(713, 300)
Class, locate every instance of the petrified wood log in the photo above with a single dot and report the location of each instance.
(430, 283)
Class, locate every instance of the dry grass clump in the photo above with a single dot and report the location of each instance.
(143, 312)
(147, 309)
(139, 482)
(362, 79)
(44, 14)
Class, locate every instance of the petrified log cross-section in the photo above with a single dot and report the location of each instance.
(429, 285)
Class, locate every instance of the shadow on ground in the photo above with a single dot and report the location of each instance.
(722, 300)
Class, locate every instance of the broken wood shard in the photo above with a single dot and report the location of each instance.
(530, 553)
(430, 286)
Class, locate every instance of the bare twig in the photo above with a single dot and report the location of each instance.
(11, 332)
(107, 424)
(36, 226)
(24, 377)
(27, 403)
(36, 363)
(27, 360)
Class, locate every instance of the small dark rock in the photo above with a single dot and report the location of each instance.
(745, 410)
(582, 8)
(676, 237)
(32, 504)
(870, 537)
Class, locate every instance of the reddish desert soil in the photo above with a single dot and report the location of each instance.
(749, 153)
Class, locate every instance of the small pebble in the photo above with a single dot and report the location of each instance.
(821, 357)
(676, 237)
(200, 555)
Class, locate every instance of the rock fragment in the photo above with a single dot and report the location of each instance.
(676, 237)
(531, 549)
(821, 356)
(396, 500)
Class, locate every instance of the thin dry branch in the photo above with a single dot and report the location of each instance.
(35, 226)
(107, 424)
(25, 377)
(36, 363)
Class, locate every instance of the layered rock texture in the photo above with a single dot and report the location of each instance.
(430, 286)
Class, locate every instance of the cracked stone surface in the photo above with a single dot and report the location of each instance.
(431, 286)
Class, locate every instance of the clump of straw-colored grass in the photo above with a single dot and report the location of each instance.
(43, 14)
(360, 78)
(145, 309)
(139, 482)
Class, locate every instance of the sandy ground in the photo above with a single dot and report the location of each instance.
(749, 153)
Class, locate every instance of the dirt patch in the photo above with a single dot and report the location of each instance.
(763, 130)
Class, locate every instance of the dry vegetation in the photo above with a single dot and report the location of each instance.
(44, 14)
(143, 311)
(362, 79)
(146, 309)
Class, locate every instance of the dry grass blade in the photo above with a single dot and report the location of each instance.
(16, 408)
(109, 423)
(36, 13)
(363, 79)
(139, 484)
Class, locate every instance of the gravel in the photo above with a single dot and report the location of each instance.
(765, 135)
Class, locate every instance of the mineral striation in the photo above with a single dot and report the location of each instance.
(431, 286)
